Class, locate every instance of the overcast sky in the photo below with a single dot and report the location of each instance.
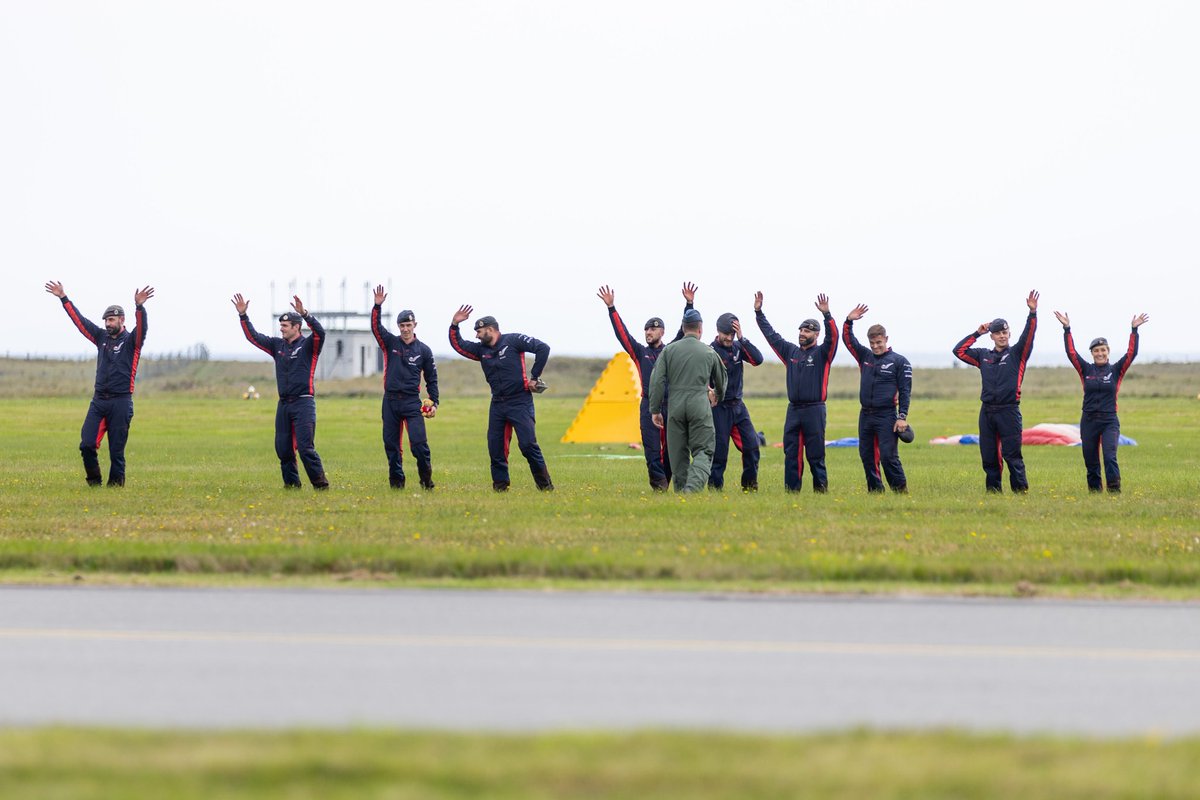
(935, 160)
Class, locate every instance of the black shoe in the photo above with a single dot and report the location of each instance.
(427, 485)
(901, 489)
(500, 486)
(821, 489)
(116, 482)
(750, 487)
(395, 484)
(1115, 489)
(549, 487)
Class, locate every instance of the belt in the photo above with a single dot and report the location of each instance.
(999, 406)
(293, 398)
(809, 405)
(401, 396)
(111, 395)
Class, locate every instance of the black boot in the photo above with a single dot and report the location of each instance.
(426, 475)
(500, 486)
(321, 483)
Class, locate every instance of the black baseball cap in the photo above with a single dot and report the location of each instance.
(291, 316)
(487, 322)
(406, 316)
(725, 322)
(810, 325)
(998, 325)
(113, 311)
(907, 435)
(654, 322)
(1099, 340)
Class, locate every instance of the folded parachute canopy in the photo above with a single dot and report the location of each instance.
(1043, 433)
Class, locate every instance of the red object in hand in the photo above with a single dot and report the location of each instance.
(427, 409)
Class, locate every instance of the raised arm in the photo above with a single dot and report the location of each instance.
(856, 348)
(464, 348)
(377, 329)
(318, 330)
(634, 349)
(90, 330)
(1069, 343)
(259, 340)
(689, 299)
(782, 347)
(1131, 351)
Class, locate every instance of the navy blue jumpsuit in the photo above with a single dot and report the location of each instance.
(111, 409)
(511, 409)
(403, 367)
(1001, 373)
(1099, 427)
(296, 414)
(807, 388)
(732, 420)
(884, 392)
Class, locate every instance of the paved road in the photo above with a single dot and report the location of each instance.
(523, 661)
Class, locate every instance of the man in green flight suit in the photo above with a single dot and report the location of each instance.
(688, 368)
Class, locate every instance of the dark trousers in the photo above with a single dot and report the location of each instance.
(1000, 441)
(804, 437)
(1100, 434)
(295, 430)
(506, 416)
(654, 446)
(400, 413)
(111, 415)
(732, 421)
(877, 446)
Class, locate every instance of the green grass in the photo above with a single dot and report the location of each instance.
(89, 763)
(204, 503)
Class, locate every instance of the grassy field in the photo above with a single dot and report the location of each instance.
(366, 764)
(204, 502)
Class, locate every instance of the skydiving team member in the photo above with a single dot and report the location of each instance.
(117, 354)
(885, 388)
(1099, 427)
(1001, 371)
(502, 357)
(295, 358)
(405, 361)
(658, 464)
(807, 387)
(730, 417)
(690, 370)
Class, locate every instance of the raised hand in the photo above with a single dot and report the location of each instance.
(298, 305)
(1032, 300)
(758, 298)
(822, 304)
(55, 288)
(461, 315)
(982, 329)
(140, 296)
(607, 295)
(380, 295)
(858, 311)
(737, 328)
(240, 303)
(689, 291)
(1064, 319)
(1140, 320)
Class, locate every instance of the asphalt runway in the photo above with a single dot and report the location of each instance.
(521, 661)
